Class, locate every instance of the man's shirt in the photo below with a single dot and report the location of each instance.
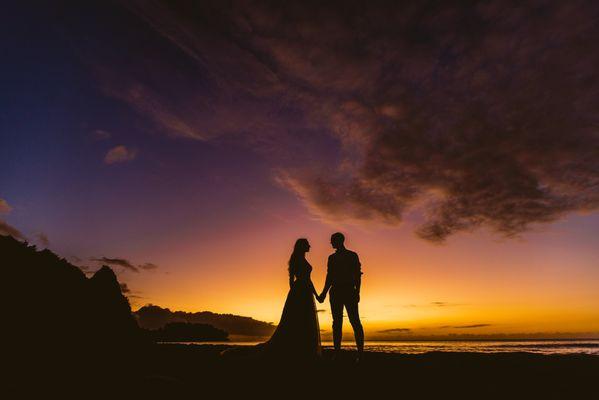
(343, 269)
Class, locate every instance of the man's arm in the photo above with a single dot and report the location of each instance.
(358, 278)
(328, 282)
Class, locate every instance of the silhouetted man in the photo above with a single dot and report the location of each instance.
(344, 279)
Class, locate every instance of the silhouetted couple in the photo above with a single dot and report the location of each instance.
(298, 333)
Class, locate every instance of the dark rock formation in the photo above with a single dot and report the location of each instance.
(61, 322)
(154, 317)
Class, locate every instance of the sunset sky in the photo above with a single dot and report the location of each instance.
(188, 144)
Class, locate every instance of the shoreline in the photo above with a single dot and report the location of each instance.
(347, 343)
(547, 347)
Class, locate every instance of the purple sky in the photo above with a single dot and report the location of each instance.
(161, 131)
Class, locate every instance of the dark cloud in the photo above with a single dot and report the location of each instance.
(481, 115)
(148, 266)
(396, 330)
(7, 229)
(464, 326)
(120, 262)
(462, 123)
(446, 304)
(124, 288)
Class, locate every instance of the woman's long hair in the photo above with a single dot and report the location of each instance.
(299, 249)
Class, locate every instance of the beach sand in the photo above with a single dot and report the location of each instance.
(194, 369)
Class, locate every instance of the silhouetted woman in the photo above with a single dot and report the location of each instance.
(298, 333)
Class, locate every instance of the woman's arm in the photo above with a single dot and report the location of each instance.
(314, 292)
(291, 274)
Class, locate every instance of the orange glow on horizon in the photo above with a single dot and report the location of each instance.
(475, 285)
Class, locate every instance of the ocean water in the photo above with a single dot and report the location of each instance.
(470, 346)
(539, 347)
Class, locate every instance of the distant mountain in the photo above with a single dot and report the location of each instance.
(155, 317)
(186, 332)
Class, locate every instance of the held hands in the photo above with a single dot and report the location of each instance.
(320, 298)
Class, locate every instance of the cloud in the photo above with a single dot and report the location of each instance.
(120, 154)
(433, 304)
(456, 131)
(7, 229)
(446, 304)
(100, 134)
(148, 266)
(145, 101)
(124, 288)
(437, 108)
(43, 239)
(120, 262)
(5, 208)
(465, 326)
(396, 330)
